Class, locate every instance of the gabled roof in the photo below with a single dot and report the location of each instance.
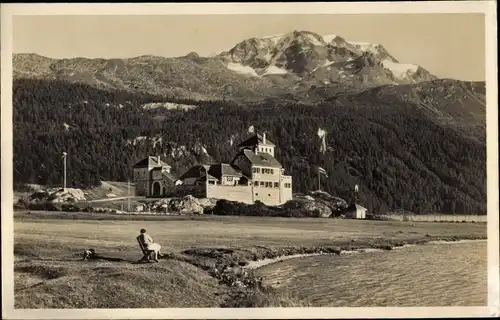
(260, 159)
(150, 162)
(254, 140)
(223, 169)
(194, 172)
(215, 171)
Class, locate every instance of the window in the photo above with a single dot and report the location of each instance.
(276, 184)
(256, 183)
(262, 183)
(271, 171)
(229, 178)
(268, 184)
(256, 194)
(256, 170)
(211, 182)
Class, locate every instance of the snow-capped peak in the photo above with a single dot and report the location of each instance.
(273, 36)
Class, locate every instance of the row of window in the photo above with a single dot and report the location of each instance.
(268, 150)
(266, 184)
(264, 170)
(269, 184)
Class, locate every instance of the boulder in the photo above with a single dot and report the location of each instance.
(57, 196)
(185, 205)
(177, 206)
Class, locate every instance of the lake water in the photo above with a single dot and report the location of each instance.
(428, 275)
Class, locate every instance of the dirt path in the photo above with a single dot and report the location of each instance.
(112, 199)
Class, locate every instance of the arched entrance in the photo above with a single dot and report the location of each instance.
(156, 189)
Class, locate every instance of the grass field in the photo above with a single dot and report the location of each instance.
(50, 274)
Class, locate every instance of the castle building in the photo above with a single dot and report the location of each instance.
(152, 177)
(254, 174)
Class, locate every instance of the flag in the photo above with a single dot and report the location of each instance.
(322, 137)
(321, 133)
(251, 129)
(322, 171)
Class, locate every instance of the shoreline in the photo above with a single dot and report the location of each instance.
(253, 265)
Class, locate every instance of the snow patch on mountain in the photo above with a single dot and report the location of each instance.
(328, 62)
(275, 70)
(168, 106)
(314, 40)
(400, 70)
(329, 37)
(365, 46)
(275, 39)
(239, 68)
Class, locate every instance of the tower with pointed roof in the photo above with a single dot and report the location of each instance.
(152, 177)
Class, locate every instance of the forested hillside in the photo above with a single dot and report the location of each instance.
(398, 154)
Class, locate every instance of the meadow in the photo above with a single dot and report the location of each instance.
(49, 272)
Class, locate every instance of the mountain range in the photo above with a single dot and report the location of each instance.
(407, 138)
(297, 66)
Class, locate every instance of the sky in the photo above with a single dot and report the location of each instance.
(447, 45)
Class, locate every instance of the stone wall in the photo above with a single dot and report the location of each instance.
(195, 191)
(232, 193)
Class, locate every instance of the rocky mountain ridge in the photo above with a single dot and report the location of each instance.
(287, 67)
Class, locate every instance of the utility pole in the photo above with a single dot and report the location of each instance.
(128, 198)
(64, 160)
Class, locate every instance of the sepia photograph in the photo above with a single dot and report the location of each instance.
(249, 160)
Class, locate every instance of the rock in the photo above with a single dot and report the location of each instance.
(177, 206)
(185, 205)
(57, 196)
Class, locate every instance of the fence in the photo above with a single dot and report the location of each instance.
(441, 218)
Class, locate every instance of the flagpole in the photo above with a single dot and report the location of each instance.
(64, 165)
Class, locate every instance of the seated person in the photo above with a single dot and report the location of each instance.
(149, 245)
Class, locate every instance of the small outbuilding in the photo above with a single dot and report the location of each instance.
(355, 211)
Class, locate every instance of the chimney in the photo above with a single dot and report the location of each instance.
(264, 138)
(159, 159)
